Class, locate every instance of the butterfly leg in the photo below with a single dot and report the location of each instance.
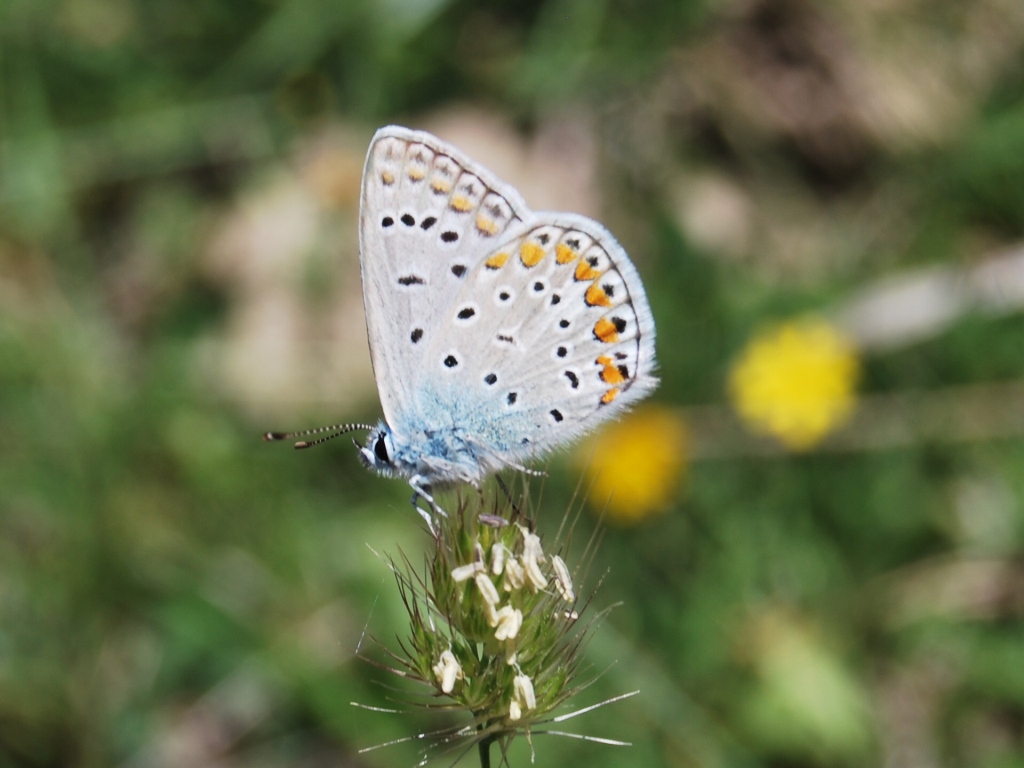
(421, 490)
(425, 514)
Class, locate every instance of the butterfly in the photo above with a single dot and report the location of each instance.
(496, 333)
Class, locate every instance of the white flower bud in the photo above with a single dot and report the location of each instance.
(522, 691)
(533, 556)
(447, 671)
(563, 579)
(464, 572)
(514, 575)
(487, 589)
(509, 621)
(497, 558)
(492, 615)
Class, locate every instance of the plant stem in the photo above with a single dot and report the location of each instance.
(485, 752)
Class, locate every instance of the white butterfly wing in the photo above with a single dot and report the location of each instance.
(427, 215)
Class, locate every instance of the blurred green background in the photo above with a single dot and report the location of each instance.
(179, 272)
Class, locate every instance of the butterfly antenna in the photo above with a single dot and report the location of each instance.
(338, 429)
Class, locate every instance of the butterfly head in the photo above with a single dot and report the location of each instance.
(379, 451)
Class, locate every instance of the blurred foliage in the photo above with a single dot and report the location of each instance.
(178, 272)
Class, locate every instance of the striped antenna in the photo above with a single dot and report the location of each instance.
(338, 429)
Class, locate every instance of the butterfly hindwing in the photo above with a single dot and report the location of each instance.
(553, 334)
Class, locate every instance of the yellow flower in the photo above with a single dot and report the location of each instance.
(795, 382)
(635, 466)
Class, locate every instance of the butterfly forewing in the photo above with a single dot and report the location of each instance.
(425, 220)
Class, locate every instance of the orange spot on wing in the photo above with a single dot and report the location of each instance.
(596, 297)
(416, 174)
(460, 204)
(387, 178)
(440, 185)
(610, 395)
(610, 374)
(531, 254)
(585, 271)
(564, 254)
(606, 331)
(486, 225)
(497, 261)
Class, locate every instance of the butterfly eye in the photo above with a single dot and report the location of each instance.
(381, 450)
